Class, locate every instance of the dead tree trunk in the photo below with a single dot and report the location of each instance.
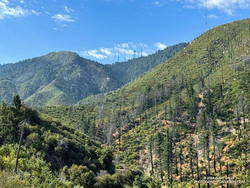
(18, 150)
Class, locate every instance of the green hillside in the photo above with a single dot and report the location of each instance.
(57, 78)
(187, 120)
(66, 78)
(184, 123)
(214, 53)
(7, 90)
(132, 69)
(36, 151)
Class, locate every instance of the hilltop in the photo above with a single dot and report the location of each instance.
(66, 78)
(56, 78)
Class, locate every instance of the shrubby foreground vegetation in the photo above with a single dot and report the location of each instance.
(36, 152)
(186, 123)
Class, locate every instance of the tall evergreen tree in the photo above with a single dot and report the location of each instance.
(17, 102)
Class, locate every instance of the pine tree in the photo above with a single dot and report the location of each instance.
(152, 172)
(191, 156)
(197, 166)
(159, 149)
(17, 102)
(168, 157)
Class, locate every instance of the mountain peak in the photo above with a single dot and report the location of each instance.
(64, 77)
(62, 54)
(64, 57)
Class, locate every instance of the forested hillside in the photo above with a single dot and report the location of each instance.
(57, 78)
(131, 69)
(185, 122)
(36, 151)
(66, 78)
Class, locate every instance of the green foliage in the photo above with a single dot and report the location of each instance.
(9, 180)
(32, 167)
(198, 99)
(56, 78)
(125, 178)
(17, 102)
(132, 69)
(240, 148)
(185, 120)
(79, 175)
(48, 148)
(106, 159)
(8, 124)
(66, 78)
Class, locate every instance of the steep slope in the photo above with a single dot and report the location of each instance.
(132, 69)
(7, 90)
(57, 78)
(65, 77)
(36, 151)
(225, 47)
(186, 120)
(193, 113)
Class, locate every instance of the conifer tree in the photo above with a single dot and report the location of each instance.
(17, 102)
(191, 156)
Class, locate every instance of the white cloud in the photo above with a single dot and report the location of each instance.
(7, 11)
(62, 18)
(121, 51)
(131, 50)
(225, 3)
(35, 12)
(106, 51)
(124, 51)
(95, 54)
(68, 9)
(144, 54)
(160, 46)
(212, 16)
(227, 6)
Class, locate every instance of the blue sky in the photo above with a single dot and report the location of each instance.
(107, 30)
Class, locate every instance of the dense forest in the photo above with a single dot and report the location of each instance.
(185, 123)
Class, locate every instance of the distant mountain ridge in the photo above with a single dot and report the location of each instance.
(66, 78)
(57, 78)
(131, 69)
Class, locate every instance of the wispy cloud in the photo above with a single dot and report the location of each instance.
(106, 51)
(122, 51)
(35, 12)
(212, 16)
(160, 46)
(227, 6)
(15, 9)
(68, 9)
(8, 11)
(96, 54)
(63, 18)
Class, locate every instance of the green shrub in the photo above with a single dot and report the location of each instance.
(79, 175)
(9, 180)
